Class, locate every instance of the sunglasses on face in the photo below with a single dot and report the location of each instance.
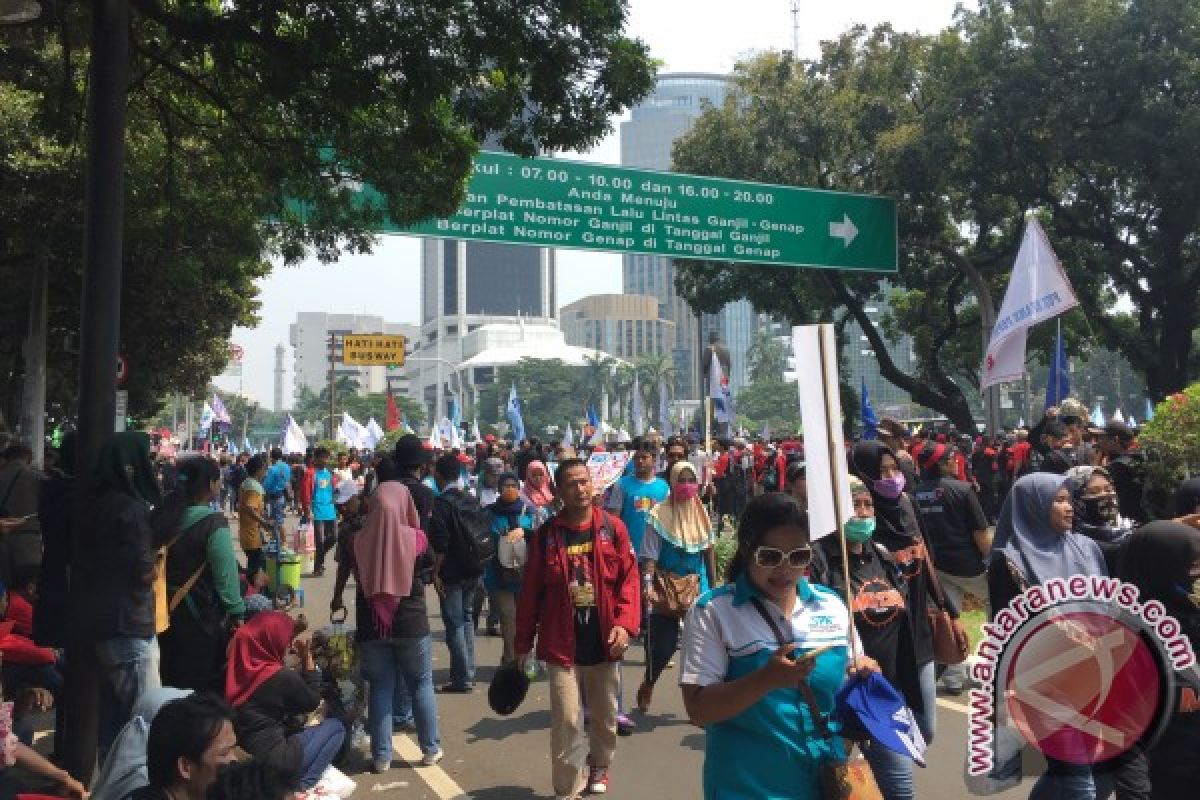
(771, 557)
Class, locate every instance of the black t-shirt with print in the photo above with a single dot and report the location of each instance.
(880, 610)
(581, 584)
(951, 514)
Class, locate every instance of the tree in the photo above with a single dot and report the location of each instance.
(774, 403)
(1088, 110)
(961, 129)
(621, 383)
(249, 124)
(597, 378)
(549, 390)
(656, 371)
(767, 357)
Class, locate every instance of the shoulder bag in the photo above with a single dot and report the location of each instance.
(850, 779)
(950, 641)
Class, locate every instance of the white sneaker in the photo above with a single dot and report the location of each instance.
(429, 759)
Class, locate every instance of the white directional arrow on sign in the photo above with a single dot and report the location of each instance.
(843, 230)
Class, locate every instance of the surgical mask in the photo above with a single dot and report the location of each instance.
(509, 494)
(685, 491)
(889, 488)
(1102, 508)
(859, 529)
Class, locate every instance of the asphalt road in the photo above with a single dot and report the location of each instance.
(489, 757)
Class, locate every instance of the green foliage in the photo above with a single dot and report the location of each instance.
(767, 357)
(723, 549)
(1082, 110)
(1174, 433)
(775, 403)
(550, 392)
(232, 109)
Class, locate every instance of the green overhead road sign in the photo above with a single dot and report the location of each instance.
(558, 203)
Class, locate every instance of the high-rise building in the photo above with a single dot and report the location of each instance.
(622, 325)
(280, 351)
(646, 140)
(860, 363)
(464, 286)
(309, 337)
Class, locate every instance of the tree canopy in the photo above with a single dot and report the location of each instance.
(1081, 111)
(234, 109)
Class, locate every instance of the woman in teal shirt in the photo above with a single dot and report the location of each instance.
(758, 654)
(203, 589)
(513, 518)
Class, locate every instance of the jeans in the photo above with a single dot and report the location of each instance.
(1063, 781)
(129, 671)
(892, 771)
(319, 745)
(927, 718)
(325, 538)
(460, 631)
(386, 663)
(277, 507)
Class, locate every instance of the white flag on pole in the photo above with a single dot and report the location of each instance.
(1038, 290)
(636, 407)
(568, 439)
(373, 435)
(829, 502)
(664, 411)
(294, 440)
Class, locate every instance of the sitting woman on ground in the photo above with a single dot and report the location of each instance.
(757, 672)
(273, 702)
(203, 588)
(677, 567)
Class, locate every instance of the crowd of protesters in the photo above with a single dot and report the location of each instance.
(209, 686)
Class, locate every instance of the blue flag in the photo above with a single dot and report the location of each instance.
(1148, 414)
(592, 417)
(1058, 381)
(867, 412)
(513, 412)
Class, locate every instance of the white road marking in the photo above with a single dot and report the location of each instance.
(435, 777)
(961, 708)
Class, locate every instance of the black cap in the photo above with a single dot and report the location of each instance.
(1118, 429)
(507, 690)
(410, 452)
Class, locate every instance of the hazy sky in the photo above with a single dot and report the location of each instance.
(687, 35)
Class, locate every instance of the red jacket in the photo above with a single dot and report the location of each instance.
(22, 650)
(544, 607)
(21, 613)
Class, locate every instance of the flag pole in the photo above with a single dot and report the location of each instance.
(1059, 353)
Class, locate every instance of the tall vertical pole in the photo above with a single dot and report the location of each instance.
(332, 382)
(100, 326)
(33, 401)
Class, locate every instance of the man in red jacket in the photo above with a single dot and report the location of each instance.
(581, 598)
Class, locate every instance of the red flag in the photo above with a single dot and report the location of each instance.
(393, 412)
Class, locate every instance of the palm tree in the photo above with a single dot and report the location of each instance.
(655, 371)
(767, 357)
(597, 377)
(622, 385)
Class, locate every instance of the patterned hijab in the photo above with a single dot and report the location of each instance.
(683, 523)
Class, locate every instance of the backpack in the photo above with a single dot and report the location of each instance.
(472, 542)
(771, 476)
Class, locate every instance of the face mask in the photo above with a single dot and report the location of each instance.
(509, 495)
(889, 488)
(859, 529)
(1102, 509)
(685, 491)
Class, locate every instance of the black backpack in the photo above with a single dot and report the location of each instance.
(473, 543)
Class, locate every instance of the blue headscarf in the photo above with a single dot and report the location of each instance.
(1025, 538)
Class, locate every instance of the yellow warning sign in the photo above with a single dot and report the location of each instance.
(373, 349)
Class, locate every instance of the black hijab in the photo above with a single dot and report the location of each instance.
(513, 509)
(1187, 497)
(1157, 558)
(892, 515)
